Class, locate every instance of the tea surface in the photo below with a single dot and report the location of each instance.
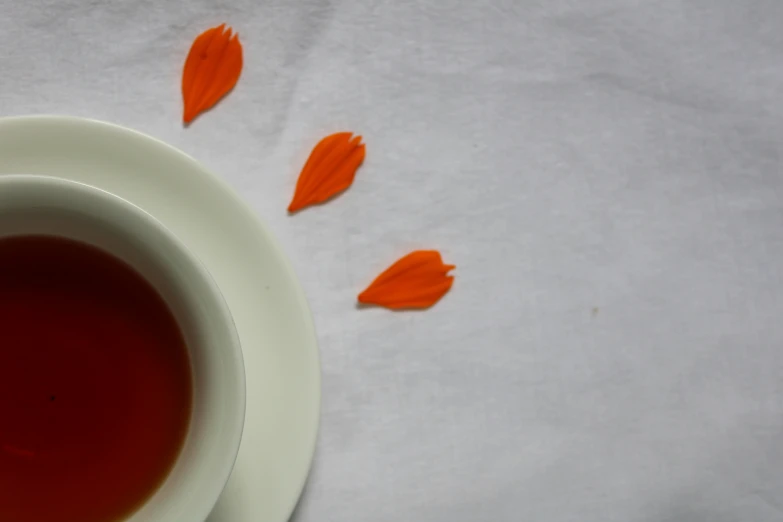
(95, 384)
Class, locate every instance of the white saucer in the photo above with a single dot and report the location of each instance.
(269, 308)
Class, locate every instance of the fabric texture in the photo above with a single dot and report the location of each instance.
(606, 175)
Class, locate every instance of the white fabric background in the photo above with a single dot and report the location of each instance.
(606, 174)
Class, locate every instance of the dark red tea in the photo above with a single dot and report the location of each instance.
(95, 384)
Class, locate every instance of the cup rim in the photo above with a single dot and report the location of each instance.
(238, 393)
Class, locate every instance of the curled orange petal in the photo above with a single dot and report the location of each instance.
(329, 170)
(418, 280)
(211, 69)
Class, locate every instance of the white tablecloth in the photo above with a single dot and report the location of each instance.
(606, 174)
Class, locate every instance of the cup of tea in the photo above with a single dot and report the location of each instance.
(122, 385)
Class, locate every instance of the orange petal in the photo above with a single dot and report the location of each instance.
(211, 69)
(418, 280)
(329, 170)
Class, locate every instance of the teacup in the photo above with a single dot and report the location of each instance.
(38, 206)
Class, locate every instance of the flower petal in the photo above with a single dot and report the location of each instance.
(329, 170)
(417, 280)
(211, 70)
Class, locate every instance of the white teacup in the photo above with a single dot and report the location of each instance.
(38, 205)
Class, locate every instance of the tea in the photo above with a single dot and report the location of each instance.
(95, 384)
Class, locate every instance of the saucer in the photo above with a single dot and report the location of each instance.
(266, 301)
